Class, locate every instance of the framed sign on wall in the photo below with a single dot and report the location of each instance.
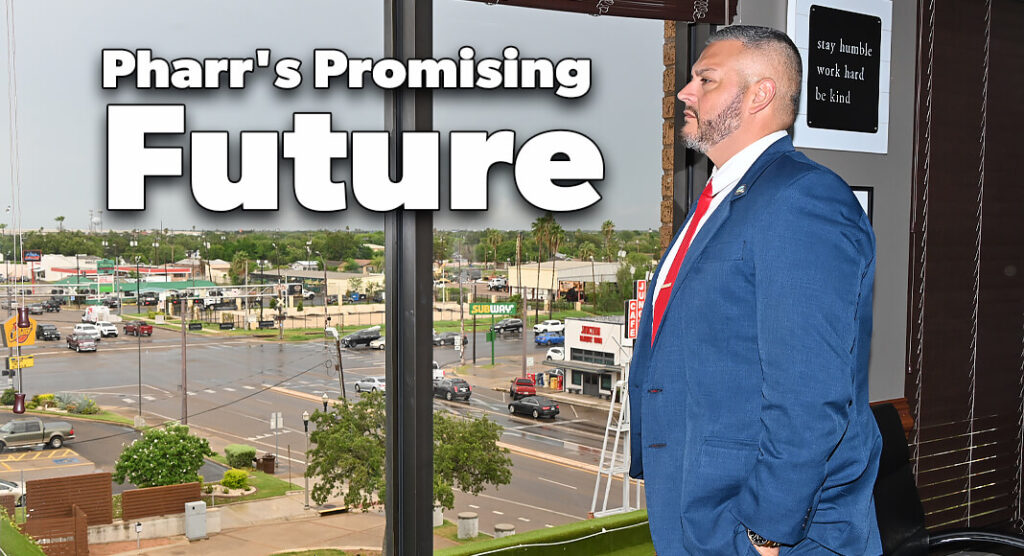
(845, 47)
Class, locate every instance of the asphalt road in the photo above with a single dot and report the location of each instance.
(231, 392)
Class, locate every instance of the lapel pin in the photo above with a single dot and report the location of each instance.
(740, 190)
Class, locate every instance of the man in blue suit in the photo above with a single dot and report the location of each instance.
(749, 383)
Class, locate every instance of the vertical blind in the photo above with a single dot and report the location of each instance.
(966, 331)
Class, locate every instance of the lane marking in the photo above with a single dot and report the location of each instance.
(523, 504)
(247, 387)
(496, 512)
(523, 519)
(127, 400)
(226, 389)
(149, 398)
(474, 506)
(557, 483)
(209, 391)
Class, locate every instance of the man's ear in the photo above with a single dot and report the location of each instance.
(764, 93)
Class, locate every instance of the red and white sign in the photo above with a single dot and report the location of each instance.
(640, 291)
(591, 335)
(633, 319)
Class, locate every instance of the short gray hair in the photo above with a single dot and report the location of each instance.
(774, 43)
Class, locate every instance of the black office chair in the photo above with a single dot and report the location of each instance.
(898, 505)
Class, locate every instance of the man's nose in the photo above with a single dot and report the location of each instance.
(686, 95)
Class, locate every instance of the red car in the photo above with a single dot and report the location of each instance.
(137, 328)
(520, 387)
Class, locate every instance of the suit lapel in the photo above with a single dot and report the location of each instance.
(721, 214)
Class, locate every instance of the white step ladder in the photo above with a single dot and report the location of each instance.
(614, 463)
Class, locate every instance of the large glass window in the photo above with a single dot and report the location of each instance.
(588, 356)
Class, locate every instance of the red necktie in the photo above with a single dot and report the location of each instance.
(663, 294)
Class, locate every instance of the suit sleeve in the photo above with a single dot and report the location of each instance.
(809, 262)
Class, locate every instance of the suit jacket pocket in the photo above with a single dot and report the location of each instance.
(723, 467)
(722, 251)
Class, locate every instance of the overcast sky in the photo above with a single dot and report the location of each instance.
(61, 107)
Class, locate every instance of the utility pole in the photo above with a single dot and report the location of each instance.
(522, 294)
(462, 317)
(184, 366)
(341, 369)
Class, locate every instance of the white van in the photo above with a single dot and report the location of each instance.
(438, 372)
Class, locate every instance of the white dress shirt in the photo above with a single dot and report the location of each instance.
(723, 180)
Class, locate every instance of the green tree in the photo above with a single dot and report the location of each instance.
(348, 449)
(493, 239)
(351, 266)
(168, 456)
(239, 264)
(556, 235)
(608, 231)
(586, 251)
(60, 223)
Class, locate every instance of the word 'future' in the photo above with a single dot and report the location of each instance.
(312, 144)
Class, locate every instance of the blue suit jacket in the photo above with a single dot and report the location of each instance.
(751, 410)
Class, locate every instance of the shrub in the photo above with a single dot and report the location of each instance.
(240, 456)
(298, 306)
(86, 407)
(235, 478)
(44, 400)
(7, 398)
(208, 489)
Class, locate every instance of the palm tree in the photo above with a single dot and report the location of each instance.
(493, 239)
(587, 251)
(608, 230)
(556, 235)
(541, 228)
(60, 223)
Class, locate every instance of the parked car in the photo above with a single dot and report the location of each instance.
(508, 325)
(107, 329)
(111, 301)
(88, 330)
(51, 306)
(556, 354)
(448, 339)
(549, 326)
(370, 384)
(138, 328)
(36, 309)
(308, 294)
(452, 388)
(332, 299)
(549, 338)
(15, 488)
(361, 337)
(356, 297)
(520, 387)
(377, 344)
(438, 372)
(442, 283)
(81, 343)
(498, 283)
(34, 432)
(537, 406)
(47, 332)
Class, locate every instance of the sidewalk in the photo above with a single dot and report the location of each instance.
(269, 526)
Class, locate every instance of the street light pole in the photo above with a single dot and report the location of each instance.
(305, 426)
(138, 331)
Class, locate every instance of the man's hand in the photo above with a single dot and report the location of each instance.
(763, 551)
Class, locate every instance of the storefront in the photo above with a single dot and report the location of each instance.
(596, 354)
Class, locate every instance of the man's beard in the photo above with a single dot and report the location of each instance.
(716, 129)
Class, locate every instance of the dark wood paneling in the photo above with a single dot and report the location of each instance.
(162, 500)
(52, 498)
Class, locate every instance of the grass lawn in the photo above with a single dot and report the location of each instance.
(450, 531)
(105, 416)
(13, 542)
(267, 486)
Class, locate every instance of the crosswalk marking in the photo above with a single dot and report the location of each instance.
(208, 391)
(226, 389)
(247, 387)
(191, 393)
(127, 400)
(149, 398)
(496, 512)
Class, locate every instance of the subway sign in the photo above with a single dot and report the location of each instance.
(492, 309)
